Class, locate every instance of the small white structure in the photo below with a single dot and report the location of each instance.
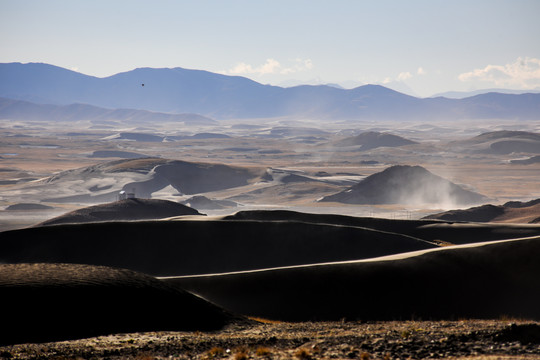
(122, 195)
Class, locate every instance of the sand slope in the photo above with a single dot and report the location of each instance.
(426, 229)
(203, 203)
(74, 301)
(403, 184)
(181, 247)
(501, 142)
(510, 212)
(128, 209)
(372, 140)
(490, 280)
(144, 176)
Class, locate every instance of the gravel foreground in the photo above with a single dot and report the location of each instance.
(468, 339)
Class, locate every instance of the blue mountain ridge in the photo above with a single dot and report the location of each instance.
(178, 90)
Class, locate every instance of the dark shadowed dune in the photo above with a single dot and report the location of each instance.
(137, 137)
(521, 204)
(181, 247)
(484, 213)
(516, 146)
(128, 209)
(404, 184)
(490, 280)
(495, 136)
(504, 134)
(52, 302)
(28, 206)
(513, 211)
(528, 161)
(426, 229)
(117, 154)
(372, 140)
(295, 178)
(200, 136)
(501, 142)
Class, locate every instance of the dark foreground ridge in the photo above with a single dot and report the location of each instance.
(183, 247)
(488, 280)
(73, 301)
(491, 280)
(432, 230)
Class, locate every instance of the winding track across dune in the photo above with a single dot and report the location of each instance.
(182, 247)
(450, 232)
(487, 280)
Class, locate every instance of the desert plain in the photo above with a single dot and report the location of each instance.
(255, 258)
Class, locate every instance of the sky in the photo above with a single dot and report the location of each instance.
(421, 47)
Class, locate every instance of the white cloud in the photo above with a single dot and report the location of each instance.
(271, 66)
(522, 73)
(404, 76)
(421, 71)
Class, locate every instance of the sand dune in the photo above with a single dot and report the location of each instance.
(28, 206)
(135, 137)
(430, 230)
(403, 184)
(116, 154)
(144, 176)
(372, 140)
(192, 178)
(128, 209)
(243, 241)
(181, 247)
(488, 280)
(52, 302)
(510, 212)
(501, 142)
(203, 203)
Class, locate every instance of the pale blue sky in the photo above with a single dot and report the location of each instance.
(430, 46)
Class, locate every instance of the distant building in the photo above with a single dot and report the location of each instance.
(122, 195)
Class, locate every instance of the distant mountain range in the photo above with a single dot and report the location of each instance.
(218, 96)
(24, 110)
(465, 94)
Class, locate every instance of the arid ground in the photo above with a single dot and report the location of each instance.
(295, 276)
(464, 339)
(454, 151)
